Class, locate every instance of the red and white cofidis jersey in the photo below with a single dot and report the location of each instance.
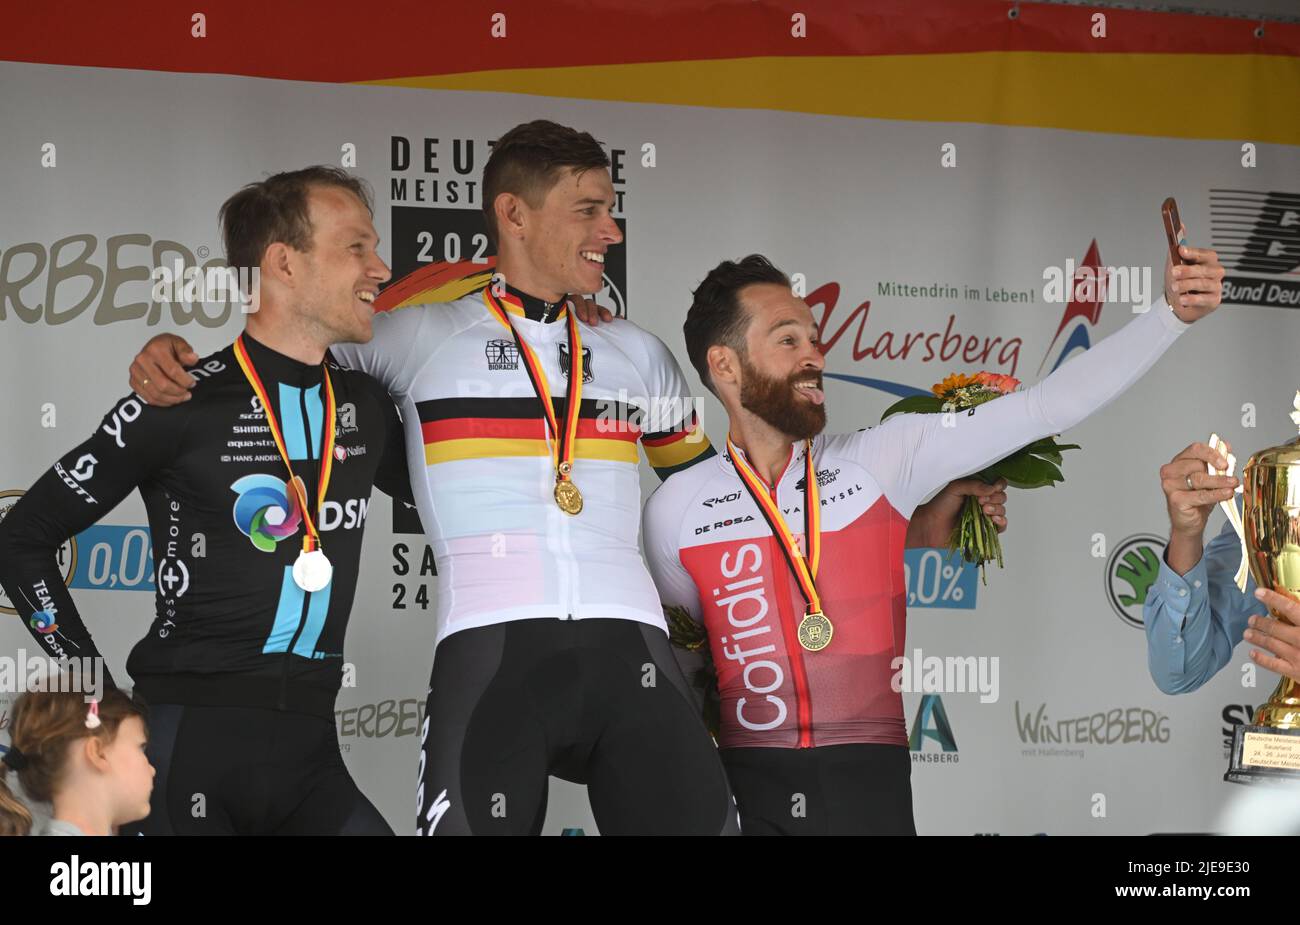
(710, 550)
(481, 467)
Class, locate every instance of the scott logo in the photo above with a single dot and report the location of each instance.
(84, 468)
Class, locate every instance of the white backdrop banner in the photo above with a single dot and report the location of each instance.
(924, 247)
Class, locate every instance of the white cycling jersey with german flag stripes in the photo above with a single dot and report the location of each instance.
(476, 432)
(711, 551)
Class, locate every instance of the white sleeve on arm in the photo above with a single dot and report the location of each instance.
(911, 455)
(390, 355)
(661, 526)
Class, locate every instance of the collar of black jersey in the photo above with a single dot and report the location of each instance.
(536, 309)
(273, 365)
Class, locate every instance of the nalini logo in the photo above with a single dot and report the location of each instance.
(932, 723)
(43, 622)
(265, 511)
(1131, 570)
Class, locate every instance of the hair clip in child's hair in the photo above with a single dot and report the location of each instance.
(92, 717)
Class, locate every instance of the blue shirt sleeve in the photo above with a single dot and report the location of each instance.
(1194, 621)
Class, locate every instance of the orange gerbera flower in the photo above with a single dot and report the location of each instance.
(951, 384)
(1003, 384)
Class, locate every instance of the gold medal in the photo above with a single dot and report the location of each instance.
(568, 497)
(815, 631)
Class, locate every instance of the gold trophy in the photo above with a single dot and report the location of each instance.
(1269, 749)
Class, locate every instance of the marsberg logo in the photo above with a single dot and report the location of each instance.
(1131, 570)
(265, 510)
(1082, 312)
(43, 622)
(951, 346)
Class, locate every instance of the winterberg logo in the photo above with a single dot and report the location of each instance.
(1131, 570)
(932, 723)
(265, 511)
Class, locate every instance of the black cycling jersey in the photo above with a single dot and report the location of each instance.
(231, 626)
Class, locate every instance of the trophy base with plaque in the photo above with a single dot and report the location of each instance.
(1262, 755)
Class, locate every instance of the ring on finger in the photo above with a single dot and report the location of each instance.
(1189, 478)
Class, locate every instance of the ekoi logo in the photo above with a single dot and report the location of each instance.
(43, 622)
(266, 511)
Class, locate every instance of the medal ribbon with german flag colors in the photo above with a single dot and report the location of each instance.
(563, 440)
(805, 570)
(311, 541)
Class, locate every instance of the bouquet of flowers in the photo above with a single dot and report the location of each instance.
(1033, 466)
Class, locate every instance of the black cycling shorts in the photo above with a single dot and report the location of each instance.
(600, 702)
(827, 790)
(250, 771)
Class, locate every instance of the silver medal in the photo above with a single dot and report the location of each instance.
(312, 571)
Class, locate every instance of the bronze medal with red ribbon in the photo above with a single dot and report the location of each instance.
(815, 630)
(312, 570)
(563, 438)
